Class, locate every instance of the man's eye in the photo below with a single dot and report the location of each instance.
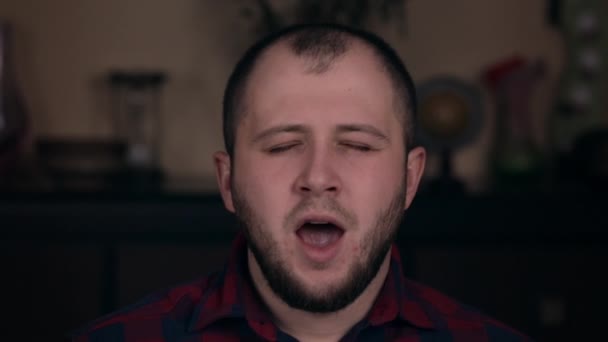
(358, 147)
(281, 148)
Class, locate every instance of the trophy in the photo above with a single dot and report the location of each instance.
(449, 117)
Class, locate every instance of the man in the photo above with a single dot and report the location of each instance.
(319, 168)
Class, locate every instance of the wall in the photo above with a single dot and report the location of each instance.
(64, 47)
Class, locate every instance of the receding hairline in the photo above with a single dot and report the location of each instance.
(322, 63)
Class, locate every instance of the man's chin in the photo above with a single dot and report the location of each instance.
(318, 303)
(319, 291)
(316, 285)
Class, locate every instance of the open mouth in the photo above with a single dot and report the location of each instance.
(319, 234)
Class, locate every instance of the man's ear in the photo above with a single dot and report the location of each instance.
(223, 169)
(416, 160)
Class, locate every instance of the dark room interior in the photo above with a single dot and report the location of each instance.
(110, 112)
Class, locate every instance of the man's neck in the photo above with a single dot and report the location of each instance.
(307, 326)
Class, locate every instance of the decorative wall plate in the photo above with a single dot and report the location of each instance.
(450, 113)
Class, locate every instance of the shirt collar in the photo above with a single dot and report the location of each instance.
(398, 298)
(232, 295)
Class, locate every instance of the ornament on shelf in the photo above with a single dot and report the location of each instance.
(516, 160)
(138, 120)
(580, 105)
(13, 115)
(450, 116)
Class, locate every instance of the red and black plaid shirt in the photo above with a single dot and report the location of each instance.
(224, 307)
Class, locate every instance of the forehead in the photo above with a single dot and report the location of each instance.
(281, 84)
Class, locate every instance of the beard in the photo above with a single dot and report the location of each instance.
(334, 297)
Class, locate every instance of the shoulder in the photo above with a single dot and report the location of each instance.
(459, 321)
(149, 316)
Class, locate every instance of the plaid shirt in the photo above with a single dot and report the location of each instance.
(224, 307)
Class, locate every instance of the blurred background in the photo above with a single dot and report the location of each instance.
(110, 111)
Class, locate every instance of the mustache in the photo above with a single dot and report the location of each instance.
(326, 205)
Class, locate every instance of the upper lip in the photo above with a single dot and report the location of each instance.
(319, 218)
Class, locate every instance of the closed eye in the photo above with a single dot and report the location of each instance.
(281, 148)
(358, 147)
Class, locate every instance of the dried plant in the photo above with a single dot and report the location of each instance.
(270, 17)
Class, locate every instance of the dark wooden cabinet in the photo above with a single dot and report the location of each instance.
(533, 262)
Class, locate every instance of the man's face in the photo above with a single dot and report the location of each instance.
(318, 176)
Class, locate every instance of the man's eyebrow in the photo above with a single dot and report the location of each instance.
(369, 129)
(280, 129)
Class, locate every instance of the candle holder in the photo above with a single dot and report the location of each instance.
(136, 97)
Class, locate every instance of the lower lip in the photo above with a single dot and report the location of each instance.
(320, 255)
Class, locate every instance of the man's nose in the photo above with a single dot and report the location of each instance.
(318, 175)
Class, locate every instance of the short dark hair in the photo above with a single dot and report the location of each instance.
(323, 43)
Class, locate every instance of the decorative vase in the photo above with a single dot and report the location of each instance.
(13, 116)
